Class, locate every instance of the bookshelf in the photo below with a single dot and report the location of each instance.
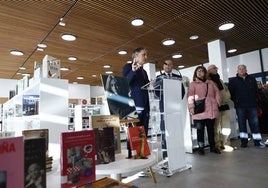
(52, 109)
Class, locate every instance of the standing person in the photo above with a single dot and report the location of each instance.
(137, 77)
(243, 89)
(222, 123)
(262, 108)
(167, 74)
(197, 91)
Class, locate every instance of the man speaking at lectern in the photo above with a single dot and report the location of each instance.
(167, 74)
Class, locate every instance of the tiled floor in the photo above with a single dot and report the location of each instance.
(242, 168)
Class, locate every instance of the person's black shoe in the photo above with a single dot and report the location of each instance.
(260, 144)
(244, 145)
(201, 151)
(215, 150)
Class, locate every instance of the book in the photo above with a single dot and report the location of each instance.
(30, 105)
(104, 143)
(37, 133)
(35, 162)
(51, 67)
(107, 183)
(109, 121)
(77, 158)
(12, 162)
(138, 142)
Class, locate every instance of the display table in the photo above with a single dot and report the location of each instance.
(122, 165)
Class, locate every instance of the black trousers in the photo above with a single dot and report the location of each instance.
(200, 126)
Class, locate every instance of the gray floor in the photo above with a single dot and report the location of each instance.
(242, 168)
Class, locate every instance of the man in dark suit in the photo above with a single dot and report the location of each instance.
(167, 74)
(137, 77)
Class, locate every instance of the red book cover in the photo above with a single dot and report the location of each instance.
(138, 142)
(12, 162)
(77, 158)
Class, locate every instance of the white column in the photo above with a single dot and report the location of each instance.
(217, 56)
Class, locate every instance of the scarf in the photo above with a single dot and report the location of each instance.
(216, 78)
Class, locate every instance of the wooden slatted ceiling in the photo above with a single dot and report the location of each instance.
(103, 28)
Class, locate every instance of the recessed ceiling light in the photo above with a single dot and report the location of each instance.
(64, 69)
(18, 73)
(137, 22)
(68, 37)
(181, 66)
(106, 66)
(80, 78)
(232, 50)
(168, 42)
(94, 75)
(41, 45)
(129, 61)
(122, 52)
(72, 58)
(16, 52)
(176, 56)
(194, 37)
(226, 26)
(22, 68)
(109, 72)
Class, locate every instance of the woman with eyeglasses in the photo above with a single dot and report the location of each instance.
(202, 88)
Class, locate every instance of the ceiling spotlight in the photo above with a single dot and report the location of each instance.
(176, 56)
(80, 78)
(41, 45)
(137, 22)
(16, 52)
(109, 72)
(232, 50)
(129, 61)
(64, 69)
(168, 42)
(68, 37)
(94, 75)
(62, 23)
(181, 66)
(194, 37)
(26, 74)
(226, 26)
(40, 49)
(106, 66)
(122, 52)
(22, 68)
(72, 58)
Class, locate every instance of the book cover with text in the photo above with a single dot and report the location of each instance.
(77, 158)
(11, 162)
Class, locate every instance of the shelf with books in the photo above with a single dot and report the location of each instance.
(51, 110)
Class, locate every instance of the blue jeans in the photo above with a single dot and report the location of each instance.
(252, 115)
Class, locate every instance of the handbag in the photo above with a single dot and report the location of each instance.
(224, 107)
(199, 105)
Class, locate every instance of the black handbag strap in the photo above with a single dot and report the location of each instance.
(207, 91)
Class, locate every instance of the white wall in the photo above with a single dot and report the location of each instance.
(250, 59)
(6, 86)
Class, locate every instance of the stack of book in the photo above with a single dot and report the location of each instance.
(49, 161)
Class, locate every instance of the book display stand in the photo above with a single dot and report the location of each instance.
(173, 151)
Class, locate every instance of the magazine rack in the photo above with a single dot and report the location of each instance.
(173, 128)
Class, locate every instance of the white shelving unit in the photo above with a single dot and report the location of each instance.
(52, 109)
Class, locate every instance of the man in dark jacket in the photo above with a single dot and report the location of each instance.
(243, 89)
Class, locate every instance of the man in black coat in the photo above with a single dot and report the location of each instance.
(243, 89)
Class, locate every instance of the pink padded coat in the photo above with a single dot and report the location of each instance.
(197, 90)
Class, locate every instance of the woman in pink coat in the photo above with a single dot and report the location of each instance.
(197, 90)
